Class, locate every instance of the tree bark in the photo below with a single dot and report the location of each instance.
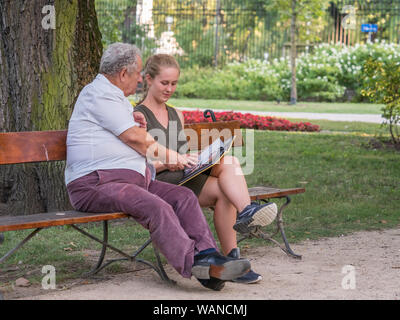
(42, 70)
(293, 53)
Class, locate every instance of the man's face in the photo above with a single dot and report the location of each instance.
(129, 81)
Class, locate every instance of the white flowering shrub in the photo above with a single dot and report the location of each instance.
(342, 66)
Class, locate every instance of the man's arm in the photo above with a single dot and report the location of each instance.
(142, 142)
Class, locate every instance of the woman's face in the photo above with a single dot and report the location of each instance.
(164, 84)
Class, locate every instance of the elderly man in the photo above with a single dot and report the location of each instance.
(107, 171)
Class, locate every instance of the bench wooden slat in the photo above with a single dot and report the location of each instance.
(208, 132)
(36, 146)
(259, 193)
(43, 220)
(33, 146)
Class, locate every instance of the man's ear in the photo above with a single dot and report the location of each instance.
(122, 74)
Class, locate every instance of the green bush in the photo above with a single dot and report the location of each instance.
(382, 85)
(252, 80)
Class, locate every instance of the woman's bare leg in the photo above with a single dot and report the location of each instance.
(224, 213)
(232, 182)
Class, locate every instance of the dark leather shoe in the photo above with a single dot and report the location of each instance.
(213, 283)
(218, 266)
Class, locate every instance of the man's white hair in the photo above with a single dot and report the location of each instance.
(118, 56)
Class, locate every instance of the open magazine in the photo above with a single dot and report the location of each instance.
(208, 158)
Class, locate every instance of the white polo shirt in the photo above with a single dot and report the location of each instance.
(100, 115)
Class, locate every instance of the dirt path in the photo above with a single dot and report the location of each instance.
(364, 265)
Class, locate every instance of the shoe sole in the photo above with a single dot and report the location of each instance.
(263, 217)
(213, 284)
(247, 282)
(219, 286)
(228, 271)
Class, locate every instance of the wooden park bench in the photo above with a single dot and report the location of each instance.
(45, 146)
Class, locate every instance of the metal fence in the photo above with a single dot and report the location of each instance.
(347, 17)
(215, 32)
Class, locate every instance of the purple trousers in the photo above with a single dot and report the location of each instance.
(171, 213)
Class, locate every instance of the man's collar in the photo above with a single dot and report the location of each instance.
(104, 80)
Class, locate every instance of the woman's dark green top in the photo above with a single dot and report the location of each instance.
(173, 137)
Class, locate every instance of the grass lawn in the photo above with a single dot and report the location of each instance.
(372, 129)
(350, 186)
(315, 107)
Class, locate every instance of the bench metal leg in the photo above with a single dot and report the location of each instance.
(159, 268)
(1, 241)
(99, 266)
(103, 249)
(105, 245)
(256, 232)
(19, 245)
(162, 272)
(9, 253)
(289, 251)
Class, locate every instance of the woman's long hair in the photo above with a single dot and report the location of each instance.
(153, 67)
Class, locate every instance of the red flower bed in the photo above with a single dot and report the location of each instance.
(251, 121)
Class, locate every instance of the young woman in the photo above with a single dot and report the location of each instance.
(223, 186)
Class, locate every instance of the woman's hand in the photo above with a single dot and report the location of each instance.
(192, 159)
(175, 161)
(178, 161)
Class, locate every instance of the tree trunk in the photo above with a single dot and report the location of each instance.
(293, 53)
(43, 67)
(129, 30)
(217, 22)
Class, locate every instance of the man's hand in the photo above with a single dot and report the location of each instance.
(140, 118)
(141, 141)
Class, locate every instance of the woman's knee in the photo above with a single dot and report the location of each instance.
(227, 163)
(211, 194)
(231, 161)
